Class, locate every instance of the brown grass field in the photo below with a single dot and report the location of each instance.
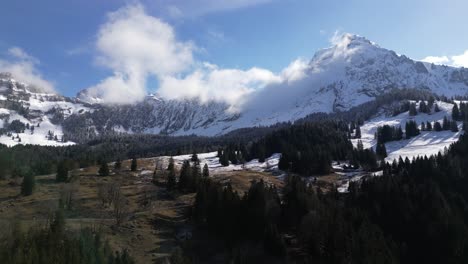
(153, 218)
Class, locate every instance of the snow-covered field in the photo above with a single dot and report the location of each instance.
(427, 143)
(38, 104)
(212, 161)
(39, 137)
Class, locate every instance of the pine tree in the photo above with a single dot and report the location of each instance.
(399, 133)
(62, 172)
(423, 107)
(430, 103)
(412, 109)
(381, 151)
(437, 126)
(29, 181)
(224, 159)
(423, 126)
(103, 169)
(360, 146)
(358, 132)
(171, 177)
(436, 108)
(134, 165)
(445, 123)
(118, 165)
(453, 126)
(195, 176)
(428, 126)
(455, 112)
(184, 177)
(206, 171)
(194, 157)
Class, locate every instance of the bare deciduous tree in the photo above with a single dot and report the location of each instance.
(107, 192)
(68, 194)
(121, 210)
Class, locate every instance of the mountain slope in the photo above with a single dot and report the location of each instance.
(31, 116)
(353, 71)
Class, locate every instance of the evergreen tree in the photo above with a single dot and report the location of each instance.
(206, 171)
(118, 164)
(224, 158)
(358, 132)
(134, 165)
(171, 177)
(428, 126)
(195, 177)
(437, 126)
(399, 133)
(380, 150)
(62, 172)
(455, 112)
(412, 109)
(194, 157)
(103, 169)
(453, 126)
(445, 124)
(436, 108)
(411, 129)
(29, 182)
(423, 107)
(185, 175)
(430, 102)
(360, 146)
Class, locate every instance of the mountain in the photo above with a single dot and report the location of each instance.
(351, 72)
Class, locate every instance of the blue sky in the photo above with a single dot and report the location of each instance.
(59, 40)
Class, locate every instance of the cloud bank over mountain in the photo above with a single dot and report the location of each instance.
(455, 60)
(24, 67)
(136, 46)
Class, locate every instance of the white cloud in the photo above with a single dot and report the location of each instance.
(460, 60)
(208, 82)
(135, 46)
(19, 53)
(455, 60)
(23, 67)
(436, 60)
(194, 8)
(295, 71)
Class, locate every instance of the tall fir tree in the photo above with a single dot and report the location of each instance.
(62, 171)
(184, 177)
(134, 164)
(194, 157)
(104, 169)
(29, 182)
(453, 126)
(118, 164)
(412, 109)
(381, 150)
(171, 175)
(455, 112)
(358, 132)
(206, 171)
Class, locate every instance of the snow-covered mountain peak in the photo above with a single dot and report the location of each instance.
(351, 72)
(344, 49)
